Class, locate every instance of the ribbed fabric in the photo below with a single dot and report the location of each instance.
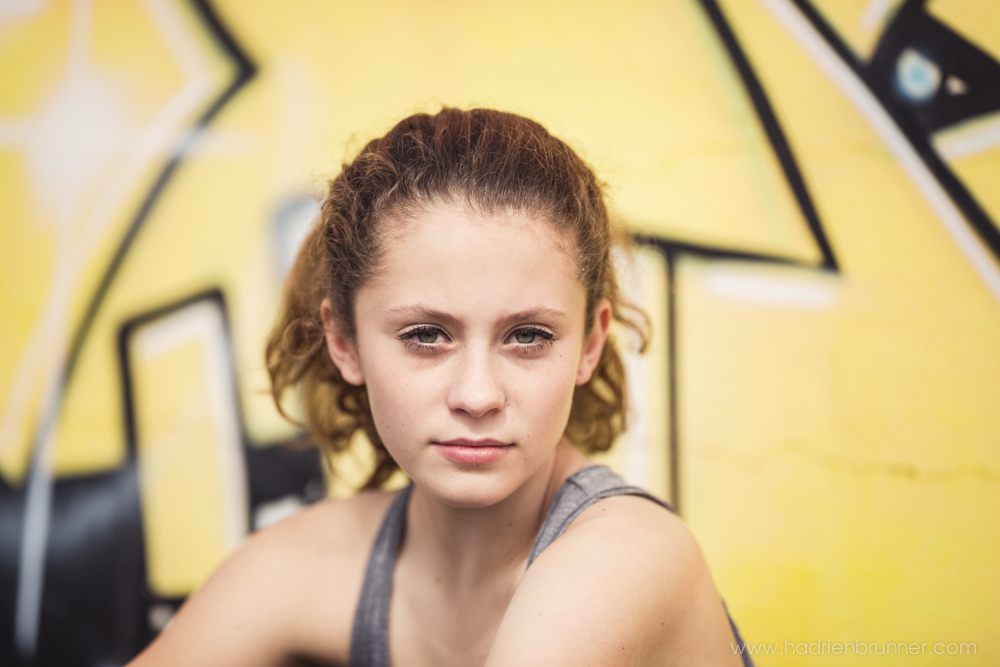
(581, 490)
(370, 635)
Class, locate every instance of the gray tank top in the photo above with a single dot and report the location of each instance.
(370, 634)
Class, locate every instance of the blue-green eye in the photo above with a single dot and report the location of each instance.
(525, 336)
(427, 336)
(423, 338)
(531, 336)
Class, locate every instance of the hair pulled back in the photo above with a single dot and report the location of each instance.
(489, 161)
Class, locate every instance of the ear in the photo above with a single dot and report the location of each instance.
(593, 345)
(341, 347)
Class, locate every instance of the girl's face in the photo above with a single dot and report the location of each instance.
(470, 339)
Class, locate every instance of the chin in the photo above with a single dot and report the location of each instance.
(470, 489)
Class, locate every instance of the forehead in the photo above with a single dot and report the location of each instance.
(447, 252)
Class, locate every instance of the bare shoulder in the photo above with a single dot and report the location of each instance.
(331, 529)
(288, 593)
(626, 584)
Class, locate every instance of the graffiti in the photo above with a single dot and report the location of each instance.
(81, 536)
(813, 182)
(930, 77)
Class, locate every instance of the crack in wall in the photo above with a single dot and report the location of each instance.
(887, 468)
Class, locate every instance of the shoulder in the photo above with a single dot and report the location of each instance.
(338, 529)
(626, 584)
(289, 590)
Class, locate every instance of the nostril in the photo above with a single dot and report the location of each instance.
(477, 400)
(476, 389)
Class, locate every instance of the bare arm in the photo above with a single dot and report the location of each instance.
(625, 585)
(288, 594)
(235, 618)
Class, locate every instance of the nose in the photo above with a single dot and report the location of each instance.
(476, 388)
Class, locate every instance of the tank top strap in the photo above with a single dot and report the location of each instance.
(370, 633)
(581, 490)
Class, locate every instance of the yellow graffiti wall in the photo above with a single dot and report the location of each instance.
(813, 184)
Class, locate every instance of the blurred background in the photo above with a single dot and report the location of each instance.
(815, 183)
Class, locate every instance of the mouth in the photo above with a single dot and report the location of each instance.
(473, 452)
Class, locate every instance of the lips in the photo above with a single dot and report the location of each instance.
(473, 452)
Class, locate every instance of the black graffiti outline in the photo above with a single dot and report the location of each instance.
(215, 297)
(673, 249)
(772, 128)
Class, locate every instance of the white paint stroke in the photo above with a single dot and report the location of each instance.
(874, 14)
(744, 285)
(14, 132)
(12, 11)
(960, 143)
(38, 497)
(634, 279)
(31, 569)
(270, 513)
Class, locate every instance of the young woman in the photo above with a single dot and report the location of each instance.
(453, 303)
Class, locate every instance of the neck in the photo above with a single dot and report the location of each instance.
(468, 547)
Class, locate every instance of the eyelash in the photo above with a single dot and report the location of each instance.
(545, 341)
(409, 337)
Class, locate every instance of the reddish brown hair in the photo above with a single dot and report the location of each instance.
(489, 161)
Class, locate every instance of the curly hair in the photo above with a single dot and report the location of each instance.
(490, 161)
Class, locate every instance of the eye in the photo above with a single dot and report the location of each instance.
(525, 336)
(426, 336)
(531, 339)
(423, 338)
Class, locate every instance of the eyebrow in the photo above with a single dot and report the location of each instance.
(431, 314)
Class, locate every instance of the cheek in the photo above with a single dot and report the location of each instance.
(397, 395)
(388, 403)
(544, 395)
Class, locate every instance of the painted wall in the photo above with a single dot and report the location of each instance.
(816, 181)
